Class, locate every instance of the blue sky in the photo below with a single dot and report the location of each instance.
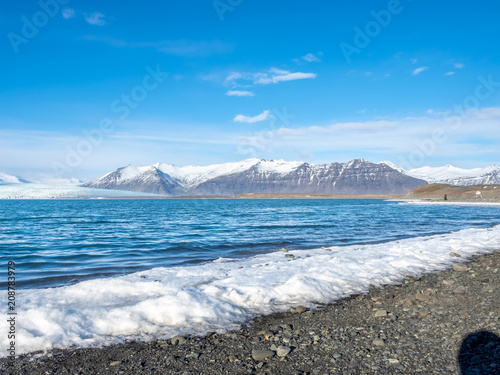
(90, 86)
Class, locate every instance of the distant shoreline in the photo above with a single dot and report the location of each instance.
(276, 196)
(435, 193)
(239, 196)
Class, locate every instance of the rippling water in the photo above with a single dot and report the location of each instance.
(56, 242)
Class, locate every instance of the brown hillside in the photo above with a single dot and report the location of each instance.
(489, 193)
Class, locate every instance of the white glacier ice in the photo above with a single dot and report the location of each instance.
(61, 191)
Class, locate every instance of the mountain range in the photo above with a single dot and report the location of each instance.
(276, 176)
(260, 176)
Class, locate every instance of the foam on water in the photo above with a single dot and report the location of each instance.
(220, 295)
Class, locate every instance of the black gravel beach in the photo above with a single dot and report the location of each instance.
(442, 323)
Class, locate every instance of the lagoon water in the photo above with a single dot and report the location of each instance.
(58, 242)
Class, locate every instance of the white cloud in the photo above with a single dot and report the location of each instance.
(68, 13)
(419, 70)
(271, 76)
(309, 58)
(239, 93)
(492, 113)
(250, 120)
(287, 77)
(459, 65)
(233, 77)
(449, 73)
(8, 179)
(414, 61)
(278, 71)
(95, 18)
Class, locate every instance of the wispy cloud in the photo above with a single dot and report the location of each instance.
(309, 58)
(449, 73)
(420, 70)
(68, 13)
(459, 65)
(250, 120)
(286, 77)
(396, 137)
(271, 76)
(239, 93)
(96, 18)
(180, 47)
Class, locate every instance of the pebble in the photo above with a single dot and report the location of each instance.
(300, 309)
(422, 297)
(115, 363)
(378, 342)
(455, 255)
(423, 314)
(380, 313)
(459, 290)
(283, 250)
(459, 267)
(283, 351)
(178, 340)
(261, 355)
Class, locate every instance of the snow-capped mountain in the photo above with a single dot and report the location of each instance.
(260, 176)
(451, 175)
